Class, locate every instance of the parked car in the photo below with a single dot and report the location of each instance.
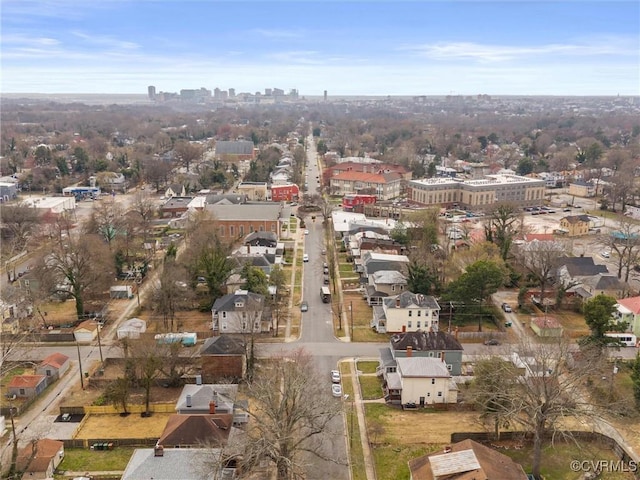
(605, 254)
(335, 376)
(304, 307)
(506, 308)
(306, 232)
(324, 251)
(492, 342)
(305, 257)
(336, 390)
(325, 280)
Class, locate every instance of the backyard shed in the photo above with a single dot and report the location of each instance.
(131, 328)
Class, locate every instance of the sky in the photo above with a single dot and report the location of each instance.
(419, 47)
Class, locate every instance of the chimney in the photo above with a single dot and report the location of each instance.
(198, 379)
(249, 248)
(212, 407)
(442, 357)
(189, 405)
(447, 449)
(398, 301)
(158, 451)
(409, 352)
(455, 333)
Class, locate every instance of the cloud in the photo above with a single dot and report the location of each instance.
(307, 57)
(277, 33)
(106, 41)
(28, 41)
(618, 46)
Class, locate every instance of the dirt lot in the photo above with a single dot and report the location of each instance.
(115, 426)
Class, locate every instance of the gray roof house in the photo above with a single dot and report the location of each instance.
(161, 463)
(383, 283)
(373, 262)
(234, 147)
(406, 312)
(240, 312)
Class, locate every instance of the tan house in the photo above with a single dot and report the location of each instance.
(384, 283)
(237, 221)
(465, 460)
(407, 312)
(546, 326)
(38, 460)
(255, 191)
(384, 186)
(575, 225)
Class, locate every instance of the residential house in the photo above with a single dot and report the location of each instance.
(175, 206)
(8, 191)
(356, 203)
(607, 284)
(384, 186)
(382, 284)
(27, 386)
(465, 460)
(628, 310)
(261, 239)
(195, 430)
(86, 332)
(222, 358)
(440, 345)
(575, 225)
(280, 176)
(112, 182)
(581, 188)
(406, 312)
(255, 191)
(420, 381)
(175, 190)
(583, 278)
(53, 367)
(212, 398)
(161, 463)
(39, 459)
(240, 312)
(237, 221)
(264, 262)
(546, 326)
(373, 262)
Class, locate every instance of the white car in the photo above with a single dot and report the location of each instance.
(336, 390)
(605, 254)
(306, 232)
(335, 376)
(305, 257)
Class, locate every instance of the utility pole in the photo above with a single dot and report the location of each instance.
(100, 345)
(80, 365)
(351, 311)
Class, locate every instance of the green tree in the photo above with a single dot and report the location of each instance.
(492, 391)
(525, 166)
(400, 234)
(255, 280)
(421, 279)
(635, 378)
(431, 170)
(598, 313)
(480, 280)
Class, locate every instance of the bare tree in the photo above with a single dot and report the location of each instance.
(545, 396)
(501, 226)
(18, 222)
(107, 220)
(625, 241)
(171, 293)
(144, 208)
(187, 152)
(291, 411)
(540, 259)
(80, 268)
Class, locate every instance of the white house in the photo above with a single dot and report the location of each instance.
(407, 312)
(421, 381)
(628, 310)
(240, 312)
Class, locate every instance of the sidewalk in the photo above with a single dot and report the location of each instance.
(362, 424)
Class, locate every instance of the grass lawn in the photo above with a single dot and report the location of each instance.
(346, 270)
(362, 314)
(85, 460)
(371, 387)
(573, 323)
(556, 459)
(115, 426)
(391, 460)
(356, 459)
(367, 367)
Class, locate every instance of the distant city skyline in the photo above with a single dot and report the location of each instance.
(564, 47)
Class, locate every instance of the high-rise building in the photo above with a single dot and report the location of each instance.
(151, 91)
(232, 92)
(325, 95)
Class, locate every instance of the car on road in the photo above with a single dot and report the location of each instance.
(507, 308)
(492, 342)
(304, 307)
(336, 390)
(306, 232)
(566, 209)
(324, 251)
(325, 280)
(305, 257)
(335, 376)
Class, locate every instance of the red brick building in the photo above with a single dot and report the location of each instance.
(285, 193)
(355, 203)
(222, 358)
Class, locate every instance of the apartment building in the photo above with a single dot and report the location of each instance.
(477, 194)
(384, 186)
